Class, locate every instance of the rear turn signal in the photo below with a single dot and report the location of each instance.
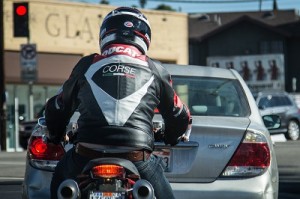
(251, 158)
(108, 171)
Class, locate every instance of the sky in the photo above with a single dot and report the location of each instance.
(203, 7)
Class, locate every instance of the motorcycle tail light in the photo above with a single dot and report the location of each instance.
(108, 171)
(251, 158)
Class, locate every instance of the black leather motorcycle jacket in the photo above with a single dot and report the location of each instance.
(116, 94)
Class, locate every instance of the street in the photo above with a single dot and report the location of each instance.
(12, 166)
(289, 169)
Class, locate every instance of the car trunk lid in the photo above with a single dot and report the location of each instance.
(212, 144)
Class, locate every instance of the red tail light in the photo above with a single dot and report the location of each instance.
(108, 171)
(251, 158)
(44, 151)
(252, 154)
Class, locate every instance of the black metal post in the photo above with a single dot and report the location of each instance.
(2, 82)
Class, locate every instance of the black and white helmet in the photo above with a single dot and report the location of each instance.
(126, 25)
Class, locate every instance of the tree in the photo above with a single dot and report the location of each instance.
(104, 2)
(143, 3)
(164, 7)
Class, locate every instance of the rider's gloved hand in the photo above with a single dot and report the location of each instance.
(52, 139)
(55, 140)
(171, 140)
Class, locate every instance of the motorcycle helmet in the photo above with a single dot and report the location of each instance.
(125, 25)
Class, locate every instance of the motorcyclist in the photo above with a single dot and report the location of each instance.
(116, 94)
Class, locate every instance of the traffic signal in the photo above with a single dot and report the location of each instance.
(21, 19)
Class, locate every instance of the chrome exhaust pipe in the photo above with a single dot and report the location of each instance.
(142, 189)
(68, 189)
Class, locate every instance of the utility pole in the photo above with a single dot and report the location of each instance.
(2, 82)
(275, 7)
(260, 2)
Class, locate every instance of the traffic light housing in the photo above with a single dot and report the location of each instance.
(21, 19)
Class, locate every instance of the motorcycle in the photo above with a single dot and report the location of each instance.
(106, 178)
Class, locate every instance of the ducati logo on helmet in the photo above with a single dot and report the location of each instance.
(128, 24)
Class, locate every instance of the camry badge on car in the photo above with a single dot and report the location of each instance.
(218, 146)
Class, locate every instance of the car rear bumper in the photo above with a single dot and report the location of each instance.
(36, 183)
(228, 189)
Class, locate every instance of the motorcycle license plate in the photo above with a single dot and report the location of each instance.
(106, 195)
(165, 154)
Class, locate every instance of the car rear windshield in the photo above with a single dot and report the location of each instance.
(212, 96)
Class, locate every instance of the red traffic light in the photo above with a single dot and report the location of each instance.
(21, 10)
(21, 19)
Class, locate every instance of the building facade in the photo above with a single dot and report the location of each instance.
(62, 33)
(262, 46)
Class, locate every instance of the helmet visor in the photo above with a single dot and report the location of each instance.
(125, 23)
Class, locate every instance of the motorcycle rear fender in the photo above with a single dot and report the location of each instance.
(128, 165)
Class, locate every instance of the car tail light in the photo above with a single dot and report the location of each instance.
(108, 171)
(44, 155)
(251, 158)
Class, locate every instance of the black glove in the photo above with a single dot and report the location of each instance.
(52, 139)
(159, 135)
(47, 140)
(171, 140)
(56, 121)
(56, 134)
(55, 140)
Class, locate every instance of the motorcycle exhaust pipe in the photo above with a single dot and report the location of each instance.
(142, 189)
(68, 189)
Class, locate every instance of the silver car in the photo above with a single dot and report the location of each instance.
(229, 153)
(282, 104)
